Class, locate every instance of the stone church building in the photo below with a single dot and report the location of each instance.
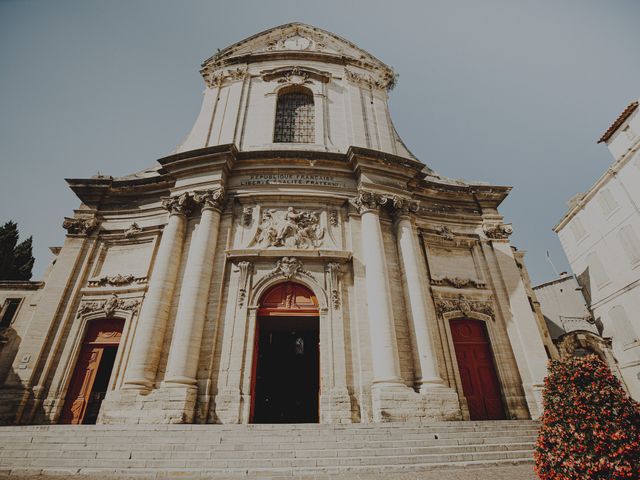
(292, 261)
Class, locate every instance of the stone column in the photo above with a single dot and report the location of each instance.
(522, 327)
(409, 257)
(384, 350)
(184, 353)
(149, 336)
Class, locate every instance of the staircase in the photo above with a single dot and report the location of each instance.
(256, 451)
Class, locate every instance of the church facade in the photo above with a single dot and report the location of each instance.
(291, 261)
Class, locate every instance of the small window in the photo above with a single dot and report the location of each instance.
(607, 202)
(295, 117)
(8, 312)
(623, 330)
(577, 229)
(630, 244)
(596, 270)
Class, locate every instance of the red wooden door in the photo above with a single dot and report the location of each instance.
(477, 370)
(101, 336)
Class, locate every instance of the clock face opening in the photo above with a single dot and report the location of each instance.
(297, 43)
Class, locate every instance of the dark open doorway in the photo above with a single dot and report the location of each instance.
(287, 371)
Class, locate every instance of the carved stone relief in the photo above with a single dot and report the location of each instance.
(333, 218)
(132, 231)
(384, 82)
(290, 229)
(109, 306)
(457, 282)
(444, 232)
(498, 232)
(398, 206)
(117, 280)
(179, 205)
(333, 270)
(462, 304)
(289, 267)
(218, 78)
(247, 216)
(210, 198)
(82, 226)
(245, 269)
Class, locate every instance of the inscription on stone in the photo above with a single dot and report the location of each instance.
(290, 179)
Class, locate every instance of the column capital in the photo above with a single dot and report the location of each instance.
(179, 205)
(210, 199)
(402, 207)
(80, 226)
(367, 201)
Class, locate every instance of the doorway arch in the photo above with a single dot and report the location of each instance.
(90, 379)
(285, 382)
(477, 369)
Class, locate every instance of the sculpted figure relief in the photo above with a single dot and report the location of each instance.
(293, 230)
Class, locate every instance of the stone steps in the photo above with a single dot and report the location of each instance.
(255, 450)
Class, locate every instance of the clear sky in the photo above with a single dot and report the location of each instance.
(510, 92)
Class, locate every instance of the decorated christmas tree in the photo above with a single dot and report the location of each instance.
(590, 427)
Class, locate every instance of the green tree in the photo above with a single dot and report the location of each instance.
(16, 259)
(590, 427)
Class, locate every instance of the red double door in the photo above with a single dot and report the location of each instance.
(90, 380)
(477, 370)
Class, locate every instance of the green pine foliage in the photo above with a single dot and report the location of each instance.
(16, 259)
(590, 426)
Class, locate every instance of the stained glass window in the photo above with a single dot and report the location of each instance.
(295, 118)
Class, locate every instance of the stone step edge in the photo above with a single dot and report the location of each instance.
(258, 473)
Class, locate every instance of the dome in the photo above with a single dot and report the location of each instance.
(295, 76)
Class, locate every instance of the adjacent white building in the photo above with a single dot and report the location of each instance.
(600, 235)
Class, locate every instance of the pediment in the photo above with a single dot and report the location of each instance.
(295, 38)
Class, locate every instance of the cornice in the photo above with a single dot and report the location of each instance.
(20, 285)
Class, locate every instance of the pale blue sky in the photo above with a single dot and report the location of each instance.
(510, 92)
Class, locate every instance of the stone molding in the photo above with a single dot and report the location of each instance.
(117, 280)
(457, 282)
(295, 75)
(108, 307)
(464, 305)
(80, 226)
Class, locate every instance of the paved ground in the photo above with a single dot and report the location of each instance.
(511, 472)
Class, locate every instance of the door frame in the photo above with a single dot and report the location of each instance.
(498, 357)
(263, 313)
(82, 344)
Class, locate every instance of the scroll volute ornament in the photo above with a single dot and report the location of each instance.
(498, 232)
(399, 206)
(210, 199)
(81, 226)
(367, 200)
(182, 204)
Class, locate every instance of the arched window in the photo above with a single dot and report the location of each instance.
(295, 117)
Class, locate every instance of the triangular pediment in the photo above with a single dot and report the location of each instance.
(297, 37)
